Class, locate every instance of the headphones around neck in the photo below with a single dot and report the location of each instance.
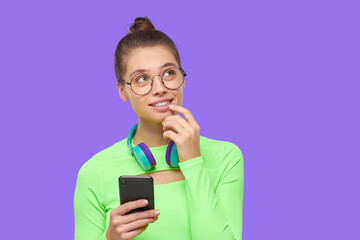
(144, 157)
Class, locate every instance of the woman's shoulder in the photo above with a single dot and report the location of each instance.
(217, 145)
(219, 150)
(115, 151)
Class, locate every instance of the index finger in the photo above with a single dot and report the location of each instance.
(126, 207)
(186, 113)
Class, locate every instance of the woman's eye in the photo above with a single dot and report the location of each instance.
(141, 79)
(168, 73)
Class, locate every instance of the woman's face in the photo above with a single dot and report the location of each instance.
(152, 61)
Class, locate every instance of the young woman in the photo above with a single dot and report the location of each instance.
(198, 191)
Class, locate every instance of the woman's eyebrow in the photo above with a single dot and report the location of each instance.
(169, 64)
(138, 71)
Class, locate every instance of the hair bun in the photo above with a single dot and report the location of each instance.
(141, 24)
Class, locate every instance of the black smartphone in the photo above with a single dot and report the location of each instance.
(132, 188)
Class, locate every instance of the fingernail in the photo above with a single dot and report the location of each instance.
(171, 105)
(144, 202)
(156, 213)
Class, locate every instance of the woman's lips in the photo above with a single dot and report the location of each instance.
(163, 108)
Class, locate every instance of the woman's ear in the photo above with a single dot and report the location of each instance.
(122, 92)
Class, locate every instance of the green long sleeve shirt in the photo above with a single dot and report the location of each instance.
(206, 205)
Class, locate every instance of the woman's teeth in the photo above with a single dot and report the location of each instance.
(161, 104)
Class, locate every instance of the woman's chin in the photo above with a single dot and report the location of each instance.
(157, 119)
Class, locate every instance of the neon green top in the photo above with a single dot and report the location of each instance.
(206, 205)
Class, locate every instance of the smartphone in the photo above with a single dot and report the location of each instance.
(132, 188)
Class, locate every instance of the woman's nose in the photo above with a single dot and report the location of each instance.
(158, 87)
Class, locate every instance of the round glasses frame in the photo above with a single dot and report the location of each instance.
(152, 80)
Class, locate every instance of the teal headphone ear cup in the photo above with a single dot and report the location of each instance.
(172, 158)
(144, 156)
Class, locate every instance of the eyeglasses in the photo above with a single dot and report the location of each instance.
(141, 84)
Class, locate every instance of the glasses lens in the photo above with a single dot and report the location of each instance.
(141, 84)
(173, 78)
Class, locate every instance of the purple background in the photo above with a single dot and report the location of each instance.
(278, 78)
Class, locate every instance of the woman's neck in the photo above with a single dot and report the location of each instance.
(150, 133)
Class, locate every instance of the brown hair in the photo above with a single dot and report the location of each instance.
(142, 33)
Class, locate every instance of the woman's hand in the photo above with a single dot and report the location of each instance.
(184, 132)
(124, 226)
